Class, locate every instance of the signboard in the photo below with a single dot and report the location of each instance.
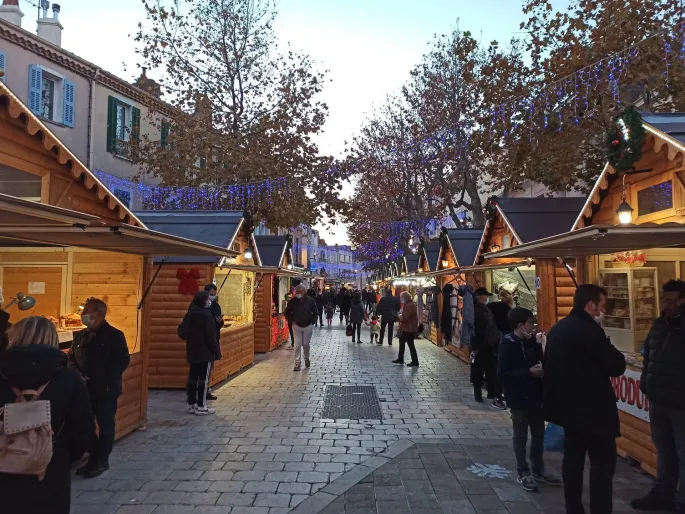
(630, 399)
(537, 282)
(36, 288)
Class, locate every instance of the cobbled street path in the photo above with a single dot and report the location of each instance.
(268, 451)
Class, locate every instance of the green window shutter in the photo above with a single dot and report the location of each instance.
(135, 124)
(111, 124)
(165, 133)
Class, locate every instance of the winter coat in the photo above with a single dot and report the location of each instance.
(4, 326)
(30, 367)
(579, 363)
(346, 303)
(215, 309)
(319, 302)
(374, 327)
(101, 355)
(388, 306)
(330, 311)
(199, 328)
(516, 356)
(486, 336)
(663, 368)
(500, 310)
(357, 312)
(327, 298)
(371, 297)
(302, 311)
(409, 320)
(340, 300)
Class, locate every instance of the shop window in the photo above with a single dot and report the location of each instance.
(235, 297)
(19, 183)
(658, 197)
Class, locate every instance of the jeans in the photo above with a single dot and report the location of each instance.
(390, 325)
(668, 434)
(408, 339)
(484, 363)
(602, 453)
(303, 335)
(198, 383)
(521, 420)
(105, 410)
(290, 330)
(357, 328)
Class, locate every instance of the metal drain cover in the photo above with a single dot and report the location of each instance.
(351, 402)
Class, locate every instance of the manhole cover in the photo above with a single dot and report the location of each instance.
(351, 402)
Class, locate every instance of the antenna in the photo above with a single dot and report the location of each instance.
(45, 6)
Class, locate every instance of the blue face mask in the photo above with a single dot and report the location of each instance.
(212, 297)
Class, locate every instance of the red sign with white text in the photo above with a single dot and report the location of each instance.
(630, 399)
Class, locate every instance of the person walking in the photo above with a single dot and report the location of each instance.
(330, 311)
(346, 305)
(374, 329)
(579, 363)
(372, 301)
(357, 315)
(409, 326)
(215, 309)
(198, 329)
(318, 298)
(339, 302)
(289, 297)
(389, 311)
(520, 367)
(302, 310)
(483, 345)
(500, 311)
(663, 381)
(100, 353)
(33, 362)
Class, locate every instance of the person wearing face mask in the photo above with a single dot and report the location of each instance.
(519, 366)
(303, 313)
(579, 363)
(215, 309)
(100, 353)
(198, 329)
(483, 346)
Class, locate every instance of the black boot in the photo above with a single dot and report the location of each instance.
(653, 501)
(478, 396)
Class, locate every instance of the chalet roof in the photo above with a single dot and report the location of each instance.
(431, 251)
(272, 249)
(531, 219)
(79, 172)
(465, 243)
(218, 228)
(412, 261)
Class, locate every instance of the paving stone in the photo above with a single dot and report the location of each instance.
(294, 488)
(193, 486)
(135, 509)
(159, 485)
(249, 475)
(217, 475)
(164, 497)
(236, 499)
(260, 487)
(224, 486)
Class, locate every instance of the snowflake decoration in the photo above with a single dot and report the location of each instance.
(489, 470)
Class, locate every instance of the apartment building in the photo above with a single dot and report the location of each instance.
(94, 112)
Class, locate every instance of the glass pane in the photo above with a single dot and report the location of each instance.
(646, 298)
(617, 313)
(654, 199)
(47, 98)
(121, 122)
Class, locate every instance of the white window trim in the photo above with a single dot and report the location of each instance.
(58, 95)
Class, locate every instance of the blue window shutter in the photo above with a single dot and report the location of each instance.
(35, 87)
(2, 66)
(68, 104)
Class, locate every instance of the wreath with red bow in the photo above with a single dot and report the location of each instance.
(625, 139)
(188, 280)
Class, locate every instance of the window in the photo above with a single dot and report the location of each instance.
(123, 124)
(124, 196)
(656, 198)
(51, 96)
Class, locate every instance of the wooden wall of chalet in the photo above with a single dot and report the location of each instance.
(262, 312)
(555, 295)
(168, 366)
(237, 351)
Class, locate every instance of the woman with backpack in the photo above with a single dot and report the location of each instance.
(34, 364)
(198, 329)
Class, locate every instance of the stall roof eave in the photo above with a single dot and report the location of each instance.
(118, 238)
(263, 269)
(19, 212)
(469, 269)
(599, 239)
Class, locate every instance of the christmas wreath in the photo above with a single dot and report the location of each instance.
(625, 139)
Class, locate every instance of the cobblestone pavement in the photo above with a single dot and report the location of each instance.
(267, 449)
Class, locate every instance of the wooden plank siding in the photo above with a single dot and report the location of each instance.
(262, 313)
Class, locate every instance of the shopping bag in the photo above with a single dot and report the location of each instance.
(348, 330)
(554, 438)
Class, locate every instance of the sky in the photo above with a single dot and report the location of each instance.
(368, 46)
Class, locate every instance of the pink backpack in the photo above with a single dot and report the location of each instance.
(26, 434)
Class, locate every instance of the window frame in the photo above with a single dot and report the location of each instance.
(115, 145)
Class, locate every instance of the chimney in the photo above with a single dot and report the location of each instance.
(10, 12)
(50, 29)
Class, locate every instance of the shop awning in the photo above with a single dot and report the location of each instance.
(17, 211)
(264, 269)
(599, 239)
(473, 269)
(119, 238)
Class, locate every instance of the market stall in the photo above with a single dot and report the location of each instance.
(271, 328)
(180, 278)
(79, 241)
(631, 260)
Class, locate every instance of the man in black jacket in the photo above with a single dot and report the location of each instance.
(318, 298)
(215, 309)
(483, 348)
(100, 353)
(579, 363)
(663, 381)
(520, 368)
(303, 313)
(389, 311)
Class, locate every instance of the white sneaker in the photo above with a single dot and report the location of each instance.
(192, 408)
(203, 411)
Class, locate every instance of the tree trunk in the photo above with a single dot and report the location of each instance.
(477, 211)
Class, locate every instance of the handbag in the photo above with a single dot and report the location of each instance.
(394, 316)
(554, 438)
(348, 330)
